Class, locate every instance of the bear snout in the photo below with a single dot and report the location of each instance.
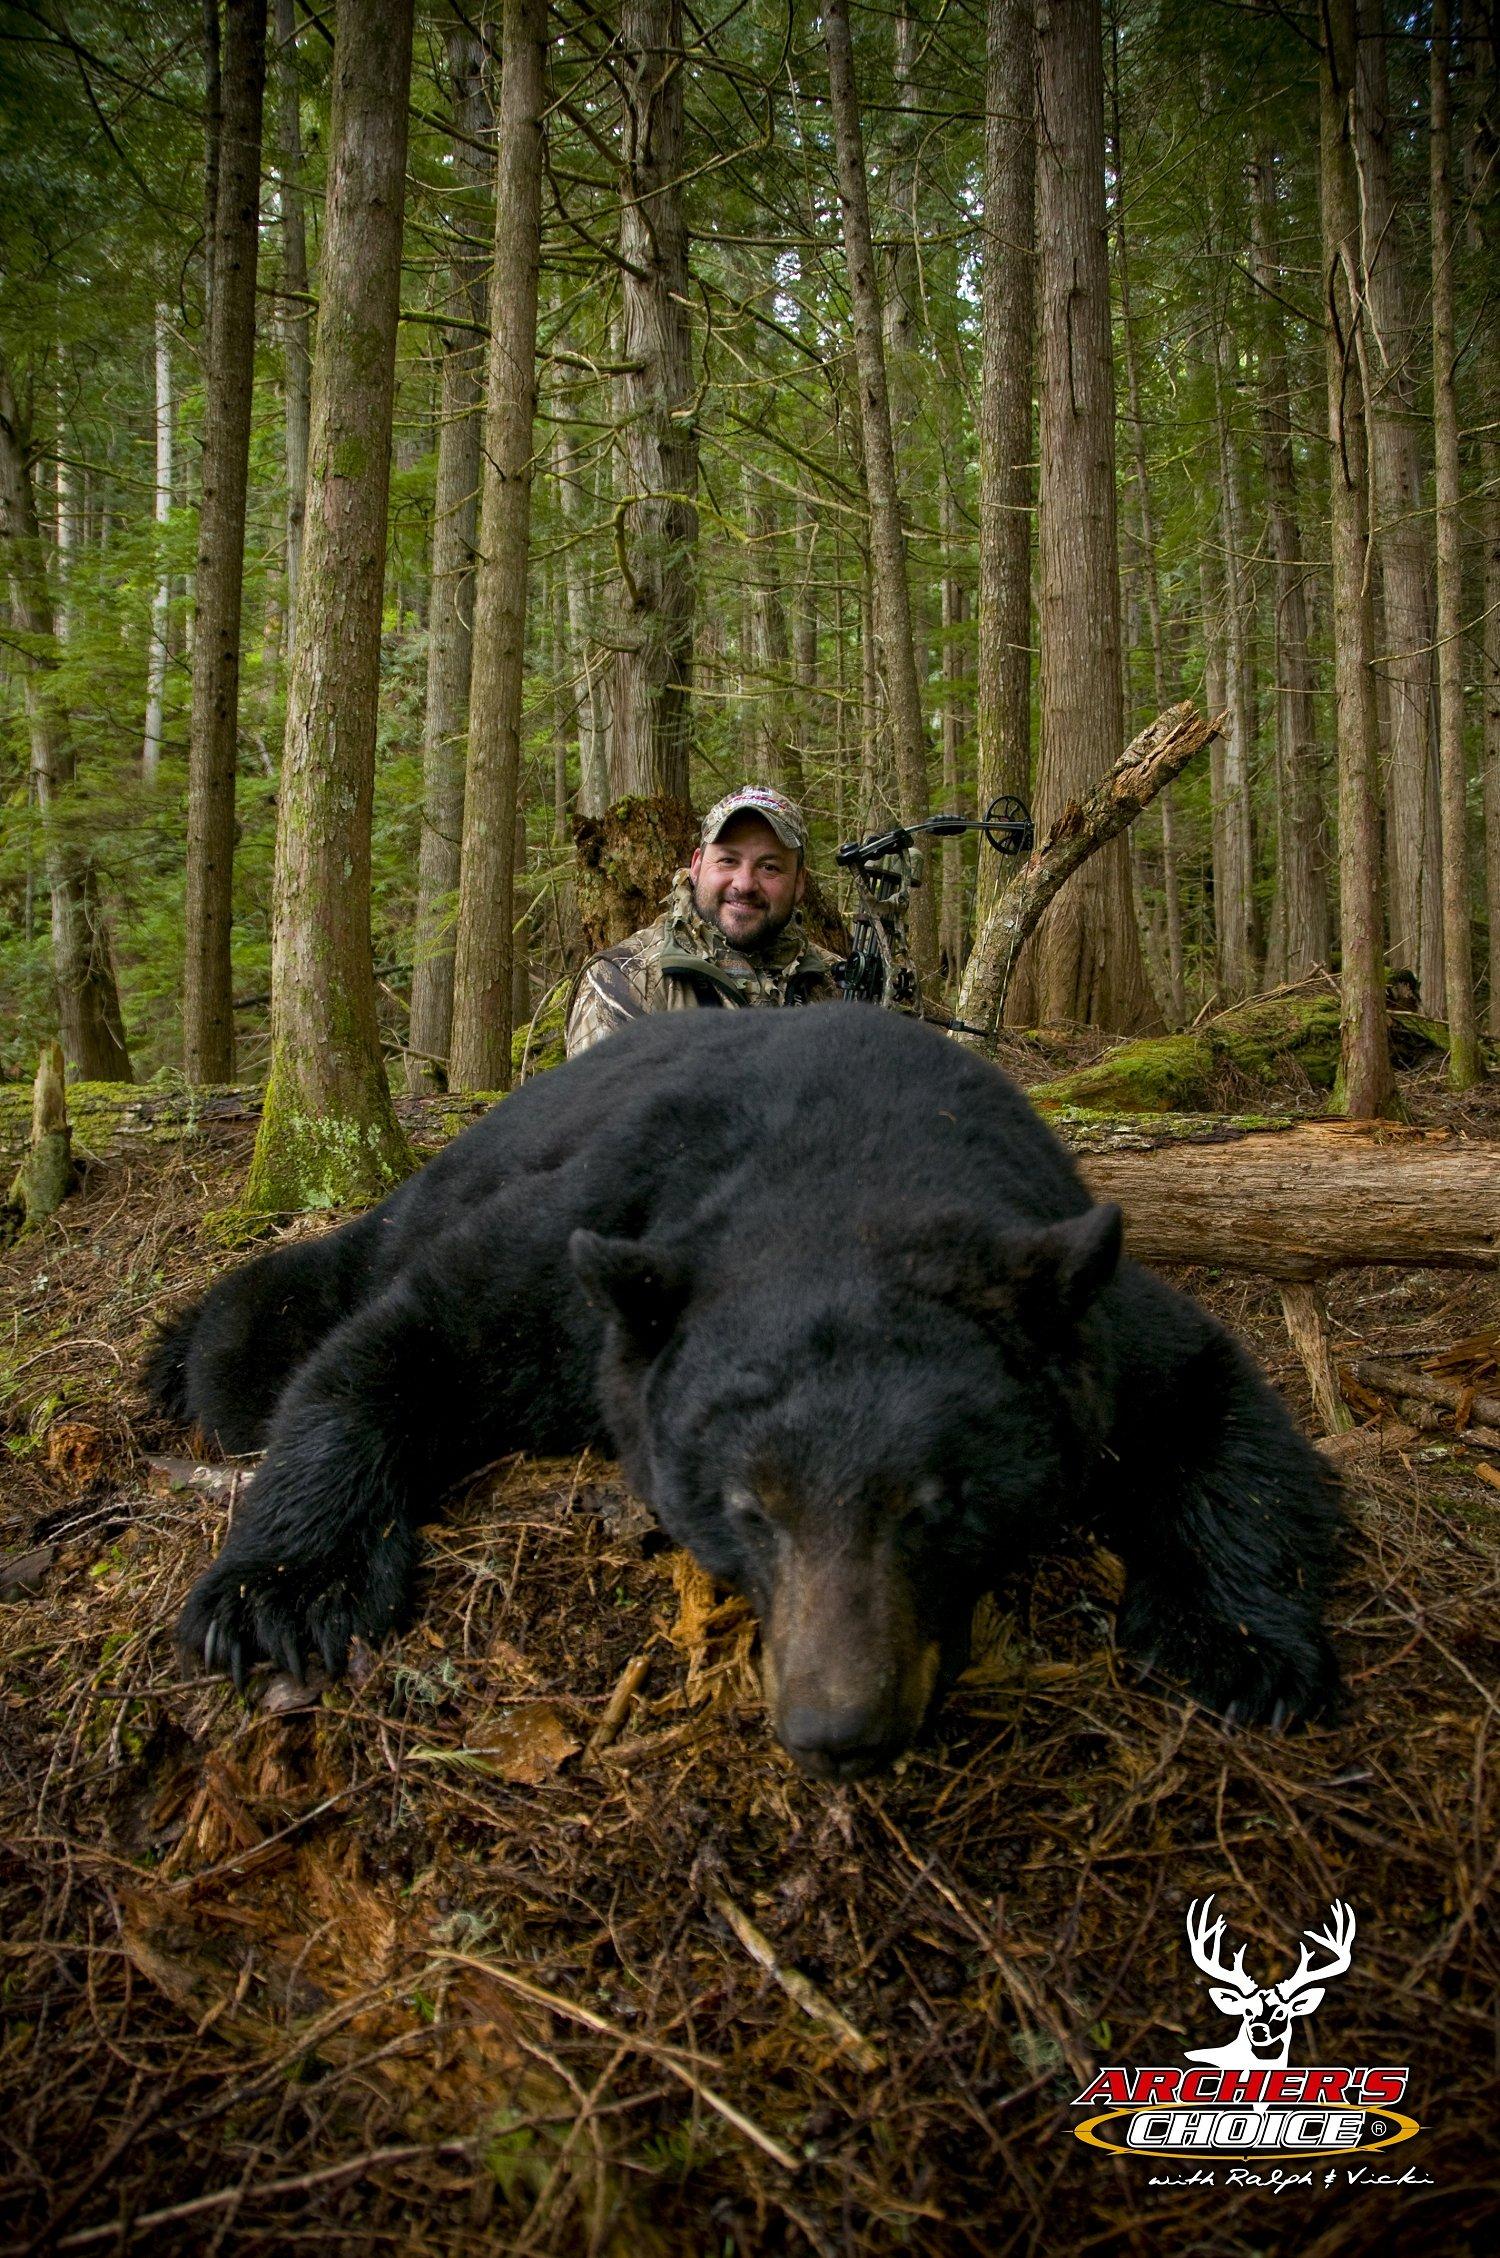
(848, 1673)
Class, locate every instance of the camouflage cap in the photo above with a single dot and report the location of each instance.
(783, 815)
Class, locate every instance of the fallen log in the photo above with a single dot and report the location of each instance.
(1396, 1380)
(1148, 764)
(1296, 1200)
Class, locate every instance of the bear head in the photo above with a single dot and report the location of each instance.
(860, 1438)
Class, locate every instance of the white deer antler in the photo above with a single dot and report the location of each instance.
(1206, 1943)
(1337, 1941)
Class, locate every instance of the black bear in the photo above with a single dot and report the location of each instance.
(840, 1303)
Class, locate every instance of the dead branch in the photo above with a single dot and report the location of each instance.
(1148, 763)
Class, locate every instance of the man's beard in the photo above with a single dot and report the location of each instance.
(758, 936)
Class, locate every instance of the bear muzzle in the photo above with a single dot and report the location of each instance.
(848, 1676)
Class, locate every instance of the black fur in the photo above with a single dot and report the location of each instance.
(824, 1258)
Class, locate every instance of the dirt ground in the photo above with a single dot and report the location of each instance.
(529, 1937)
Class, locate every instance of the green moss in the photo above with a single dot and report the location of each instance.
(310, 1153)
(1254, 1047)
(1160, 1076)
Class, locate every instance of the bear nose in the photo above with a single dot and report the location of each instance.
(835, 1744)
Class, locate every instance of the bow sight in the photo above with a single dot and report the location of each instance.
(886, 866)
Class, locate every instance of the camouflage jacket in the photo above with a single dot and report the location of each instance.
(681, 963)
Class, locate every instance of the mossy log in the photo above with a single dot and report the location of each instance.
(1252, 1048)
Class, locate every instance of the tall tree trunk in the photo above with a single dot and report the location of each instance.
(1303, 930)
(88, 1003)
(657, 519)
(1150, 572)
(1403, 557)
(208, 1001)
(328, 1135)
(1464, 1067)
(776, 756)
(1365, 1073)
(1087, 965)
(1234, 883)
(213, 133)
(161, 510)
(1489, 480)
(955, 611)
(1490, 472)
(591, 684)
(1003, 722)
(484, 980)
(296, 313)
(893, 619)
(455, 532)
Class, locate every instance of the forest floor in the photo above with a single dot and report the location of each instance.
(454, 1957)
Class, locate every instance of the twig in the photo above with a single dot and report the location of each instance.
(799, 1988)
(668, 2056)
(617, 1708)
(239, 2193)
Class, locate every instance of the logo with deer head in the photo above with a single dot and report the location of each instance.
(1244, 2098)
(1265, 2013)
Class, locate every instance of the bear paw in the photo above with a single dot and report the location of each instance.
(245, 1611)
(1279, 1676)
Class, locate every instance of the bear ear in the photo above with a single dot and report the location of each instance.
(1042, 1280)
(640, 1286)
(1062, 1267)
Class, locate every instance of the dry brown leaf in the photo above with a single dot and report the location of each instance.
(525, 1744)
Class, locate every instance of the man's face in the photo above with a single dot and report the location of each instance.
(747, 883)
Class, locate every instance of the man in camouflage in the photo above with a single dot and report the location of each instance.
(730, 936)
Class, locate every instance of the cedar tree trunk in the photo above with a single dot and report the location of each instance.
(1390, 354)
(1464, 1068)
(328, 1136)
(656, 518)
(161, 597)
(208, 1001)
(1087, 964)
(296, 313)
(893, 619)
(1003, 721)
(450, 620)
(88, 1003)
(483, 983)
(1366, 1073)
(1303, 933)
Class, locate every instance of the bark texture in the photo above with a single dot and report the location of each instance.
(161, 598)
(1295, 1202)
(484, 964)
(328, 1136)
(1150, 576)
(1302, 935)
(892, 596)
(1085, 962)
(1464, 1066)
(450, 619)
(1366, 1085)
(208, 1001)
(1003, 718)
(656, 520)
(296, 313)
(88, 1002)
(1390, 360)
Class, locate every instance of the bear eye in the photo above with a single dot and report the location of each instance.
(749, 1515)
(926, 1504)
